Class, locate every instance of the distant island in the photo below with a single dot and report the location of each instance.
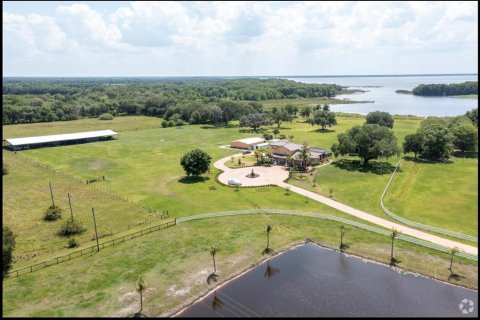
(454, 89)
(403, 91)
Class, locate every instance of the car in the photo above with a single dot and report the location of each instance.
(234, 182)
(247, 152)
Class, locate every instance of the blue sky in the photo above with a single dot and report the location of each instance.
(102, 38)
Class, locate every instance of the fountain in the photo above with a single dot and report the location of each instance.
(252, 175)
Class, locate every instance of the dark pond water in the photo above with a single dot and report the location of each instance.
(311, 281)
(381, 90)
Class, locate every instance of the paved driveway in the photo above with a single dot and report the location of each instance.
(276, 175)
(267, 175)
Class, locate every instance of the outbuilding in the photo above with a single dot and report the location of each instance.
(59, 139)
(247, 143)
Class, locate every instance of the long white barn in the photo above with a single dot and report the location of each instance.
(59, 139)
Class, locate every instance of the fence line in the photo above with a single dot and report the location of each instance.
(90, 249)
(403, 237)
(454, 234)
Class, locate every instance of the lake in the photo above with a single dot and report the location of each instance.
(381, 90)
(311, 281)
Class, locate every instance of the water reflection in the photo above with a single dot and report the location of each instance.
(216, 302)
(270, 271)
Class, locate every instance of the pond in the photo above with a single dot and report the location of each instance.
(311, 281)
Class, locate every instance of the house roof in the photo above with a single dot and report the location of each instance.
(60, 137)
(314, 152)
(286, 144)
(251, 140)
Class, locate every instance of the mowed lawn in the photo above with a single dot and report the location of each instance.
(442, 195)
(175, 263)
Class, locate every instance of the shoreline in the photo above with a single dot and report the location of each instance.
(178, 310)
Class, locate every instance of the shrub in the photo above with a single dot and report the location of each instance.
(71, 227)
(8, 245)
(180, 122)
(52, 213)
(5, 170)
(106, 116)
(72, 243)
(164, 123)
(171, 123)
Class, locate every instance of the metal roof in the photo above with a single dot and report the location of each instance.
(60, 137)
(251, 140)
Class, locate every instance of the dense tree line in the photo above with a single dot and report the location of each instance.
(27, 100)
(440, 89)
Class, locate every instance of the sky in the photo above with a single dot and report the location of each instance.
(102, 38)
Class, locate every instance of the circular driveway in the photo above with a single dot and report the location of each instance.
(267, 175)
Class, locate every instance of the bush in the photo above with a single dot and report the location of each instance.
(171, 123)
(164, 123)
(72, 243)
(180, 122)
(5, 170)
(8, 245)
(106, 116)
(52, 213)
(71, 227)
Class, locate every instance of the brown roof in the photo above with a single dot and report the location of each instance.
(286, 144)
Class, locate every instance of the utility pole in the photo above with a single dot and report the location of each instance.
(51, 193)
(96, 234)
(70, 203)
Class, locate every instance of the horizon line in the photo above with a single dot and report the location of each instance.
(259, 76)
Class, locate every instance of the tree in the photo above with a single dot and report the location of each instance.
(464, 134)
(473, 116)
(280, 116)
(305, 112)
(275, 132)
(453, 252)
(291, 137)
(195, 162)
(304, 155)
(268, 229)
(383, 119)
(437, 140)
(342, 233)
(393, 235)
(213, 252)
(8, 245)
(413, 143)
(255, 121)
(323, 118)
(366, 142)
(140, 287)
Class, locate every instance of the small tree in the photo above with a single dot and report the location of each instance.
(453, 252)
(342, 233)
(195, 162)
(106, 116)
(213, 252)
(53, 213)
(275, 132)
(393, 235)
(71, 227)
(291, 137)
(255, 121)
(413, 143)
(330, 190)
(383, 119)
(268, 229)
(140, 287)
(8, 245)
(5, 169)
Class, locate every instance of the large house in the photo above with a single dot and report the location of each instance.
(248, 143)
(285, 152)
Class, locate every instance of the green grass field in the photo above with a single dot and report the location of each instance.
(467, 96)
(175, 263)
(144, 165)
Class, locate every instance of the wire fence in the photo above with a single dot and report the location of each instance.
(454, 234)
(403, 237)
(91, 249)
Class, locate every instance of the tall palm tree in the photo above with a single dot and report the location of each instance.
(303, 155)
(213, 252)
(453, 251)
(268, 228)
(393, 235)
(140, 288)
(342, 233)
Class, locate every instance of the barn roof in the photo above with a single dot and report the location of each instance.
(60, 137)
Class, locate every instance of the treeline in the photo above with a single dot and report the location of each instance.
(454, 89)
(27, 100)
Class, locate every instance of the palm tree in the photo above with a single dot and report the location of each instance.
(453, 251)
(394, 234)
(303, 155)
(213, 252)
(140, 288)
(268, 228)
(275, 132)
(342, 233)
